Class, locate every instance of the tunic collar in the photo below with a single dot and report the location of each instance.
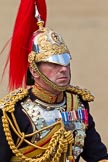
(46, 96)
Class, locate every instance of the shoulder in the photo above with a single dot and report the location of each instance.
(84, 94)
(10, 99)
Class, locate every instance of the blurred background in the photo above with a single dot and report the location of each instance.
(84, 27)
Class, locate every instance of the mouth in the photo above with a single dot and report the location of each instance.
(63, 78)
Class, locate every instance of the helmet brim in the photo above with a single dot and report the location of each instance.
(61, 59)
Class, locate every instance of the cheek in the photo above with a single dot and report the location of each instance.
(69, 72)
(51, 75)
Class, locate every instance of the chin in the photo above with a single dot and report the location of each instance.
(63, 84)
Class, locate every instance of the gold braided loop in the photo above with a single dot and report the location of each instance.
(52, 146)
(59, 137)
(69, 137)
(21, 140)
(65, 146)
(9, 102)
(57, 141)
(21, 135)
(14, 149)
(9, 137)
(70, 141)
(59, 151)
(49, 151)
(66, 138)
(65, 149)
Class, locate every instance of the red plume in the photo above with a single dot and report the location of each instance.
(24, 27)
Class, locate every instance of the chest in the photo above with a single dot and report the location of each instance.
(73, 114)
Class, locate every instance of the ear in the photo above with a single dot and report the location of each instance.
(35, 75)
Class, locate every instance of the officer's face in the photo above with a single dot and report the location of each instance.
(58, 74)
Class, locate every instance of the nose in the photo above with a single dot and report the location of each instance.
(64, 68)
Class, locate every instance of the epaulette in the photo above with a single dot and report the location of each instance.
(83, 93)
(9, 100)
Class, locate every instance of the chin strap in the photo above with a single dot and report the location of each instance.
(33, 65)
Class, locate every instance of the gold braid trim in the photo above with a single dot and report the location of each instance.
(84, 93)
(59, 142)
(103, 161)
(8, 102)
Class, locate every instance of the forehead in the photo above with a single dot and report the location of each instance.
(46, 65)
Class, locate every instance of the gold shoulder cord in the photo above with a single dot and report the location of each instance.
(60, 139)
(84, 93)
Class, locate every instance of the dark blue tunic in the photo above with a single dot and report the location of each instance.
(94, 149)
